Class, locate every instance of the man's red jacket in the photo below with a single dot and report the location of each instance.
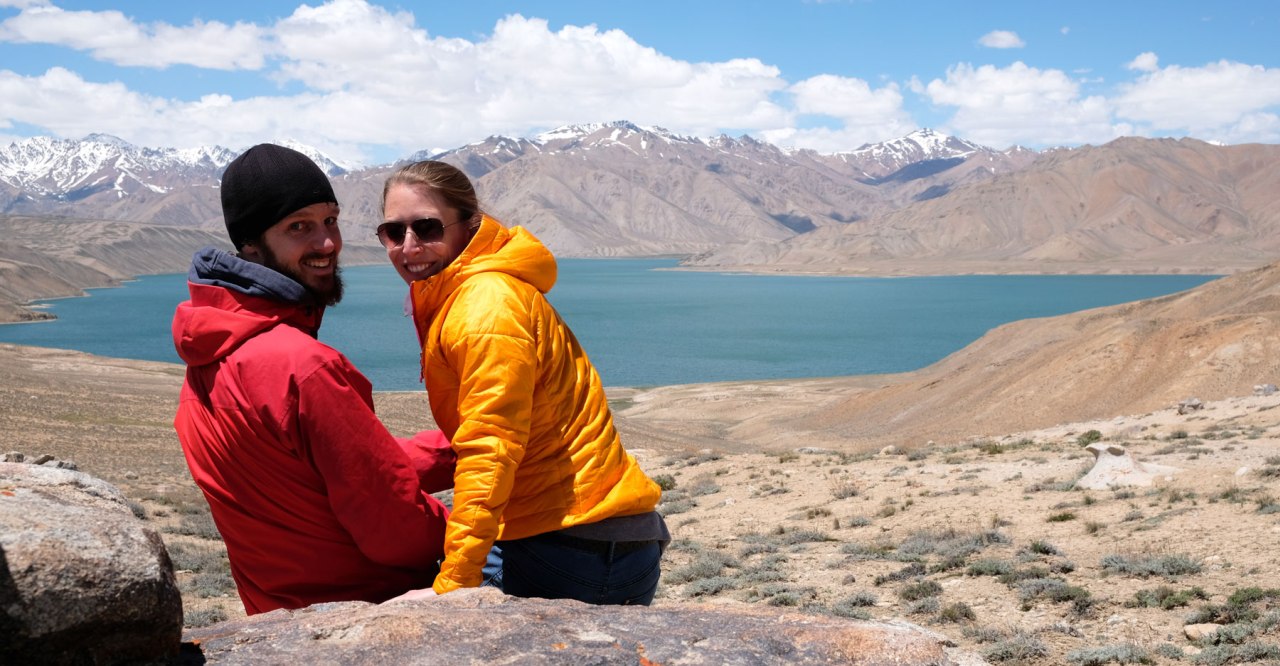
(315, 500)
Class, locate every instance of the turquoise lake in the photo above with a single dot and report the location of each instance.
(647, 327)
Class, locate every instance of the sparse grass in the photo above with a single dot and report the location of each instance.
(989, 567)
(693, 458)
(925, 606)
(1052, 589)
(197, 525)
(665, 481)
(1165, 597)
(1051, 484)
(197, 558)
(675, 506)
(861, 551)
(1238, 609)
(863, 598)
(1061, 517)
(203, 617)
(709, 586)
(1089, 437)
(1043, 548)
(1093, 527)
(1146, 566)
(707, 565)
(1218, 655)
(913, 570)
(797, 536)
(957, 613)
(920, 590)
(989, 447)
(948, 543)
(701, 485)
(1019, 647)
(209, 585)
(1124, 653)
(842, 488)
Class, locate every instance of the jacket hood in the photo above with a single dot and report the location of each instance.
(494, 248)
(233, 300)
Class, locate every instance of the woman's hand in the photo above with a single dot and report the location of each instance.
(414, 595)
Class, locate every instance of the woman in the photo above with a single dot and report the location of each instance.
(541, 470)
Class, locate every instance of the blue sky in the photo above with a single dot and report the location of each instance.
(369, 82)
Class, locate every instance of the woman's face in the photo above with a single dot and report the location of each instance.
(409, 209)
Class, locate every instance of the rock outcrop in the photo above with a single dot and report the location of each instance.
(1113, 467)
(82, 580)
(482, 626)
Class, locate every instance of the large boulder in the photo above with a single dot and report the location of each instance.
(1114, 467)
(82, 580)
(482, 626)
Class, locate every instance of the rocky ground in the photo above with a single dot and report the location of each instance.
(983, 539)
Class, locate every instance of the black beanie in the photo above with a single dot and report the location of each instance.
(264, 185)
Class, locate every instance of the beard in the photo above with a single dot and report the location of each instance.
(330, 294)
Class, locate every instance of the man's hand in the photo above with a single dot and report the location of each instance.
(433, 459)
(414, 595)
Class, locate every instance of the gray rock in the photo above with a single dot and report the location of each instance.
(1113, 467)
(81, 579)
(1190, 405)
(484, 627)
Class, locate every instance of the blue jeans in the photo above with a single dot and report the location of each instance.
(549, 566)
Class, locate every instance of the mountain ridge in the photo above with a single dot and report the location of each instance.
(924, 203)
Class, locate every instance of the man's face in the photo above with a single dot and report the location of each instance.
(304, 246)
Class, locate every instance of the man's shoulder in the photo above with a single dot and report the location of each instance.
(287, 347)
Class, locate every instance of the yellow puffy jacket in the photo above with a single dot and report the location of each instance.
(525, 409)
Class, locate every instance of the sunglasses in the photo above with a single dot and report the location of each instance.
(428, 230)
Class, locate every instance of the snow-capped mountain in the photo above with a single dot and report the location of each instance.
(105, 177)
(74, 169)
(613, 188)
(880, 160)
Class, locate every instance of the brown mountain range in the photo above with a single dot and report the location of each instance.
(1131, 205)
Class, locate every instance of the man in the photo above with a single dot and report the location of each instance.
(315, 500)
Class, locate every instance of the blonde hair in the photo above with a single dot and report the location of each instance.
(446, 180)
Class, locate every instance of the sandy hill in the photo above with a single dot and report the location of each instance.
(1218, 340)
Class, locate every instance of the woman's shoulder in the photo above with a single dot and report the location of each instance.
(495, 284)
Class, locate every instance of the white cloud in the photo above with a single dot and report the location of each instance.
(113, 37)
(1145, 62)
(1222, 100)
(353, 77)
(1002, 39)
(1018, 104)
(372, 77)
(864, 115)
(415, 90)
(1066, 30)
